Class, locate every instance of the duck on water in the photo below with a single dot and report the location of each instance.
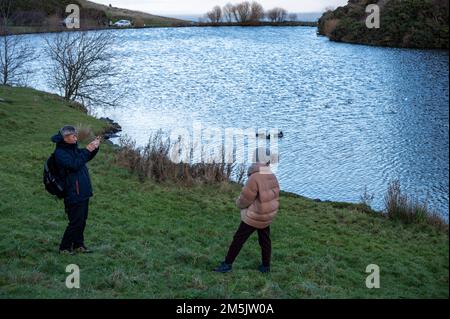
(280, 134)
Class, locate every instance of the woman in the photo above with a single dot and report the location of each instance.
(259, 202)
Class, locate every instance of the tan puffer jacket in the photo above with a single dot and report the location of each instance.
(259, 199)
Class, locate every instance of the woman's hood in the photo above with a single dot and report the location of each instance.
(258, 167)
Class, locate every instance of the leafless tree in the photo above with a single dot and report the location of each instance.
(81, 66)
(282, 15)
(234, 10)
(292, 17)
(256, 12)
(228, 12)
(215, 15)
(277, 15)
(272, 15)
(15, 58)
(243, 12)
(15, 52)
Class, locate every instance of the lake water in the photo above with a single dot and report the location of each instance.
(353, 116)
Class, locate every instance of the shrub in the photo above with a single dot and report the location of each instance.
(153, 162)
(399, 206)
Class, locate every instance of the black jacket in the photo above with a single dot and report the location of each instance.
(73, 161)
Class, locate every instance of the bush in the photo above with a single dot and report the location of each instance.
(153, 162)
(399, 206)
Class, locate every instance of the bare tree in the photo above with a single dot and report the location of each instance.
(282, 15)
(256, 12)
(81, 66)
(277, 15)
(292, 17)
(15, 52)
(234, 10)
(243, 11)
(272, 15)
(15, 58)
(215, 15)
(227, 12)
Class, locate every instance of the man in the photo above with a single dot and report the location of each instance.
(72, 162)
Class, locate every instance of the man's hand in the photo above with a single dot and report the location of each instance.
(97, 141)
(93, 145)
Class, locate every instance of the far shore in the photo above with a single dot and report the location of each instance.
(23, 30)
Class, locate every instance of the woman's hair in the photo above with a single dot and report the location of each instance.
(264, 156)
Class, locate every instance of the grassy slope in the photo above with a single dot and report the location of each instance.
(118, 13)
(161, 241)
(113, 13)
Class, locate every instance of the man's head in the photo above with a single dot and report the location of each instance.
(69, 133)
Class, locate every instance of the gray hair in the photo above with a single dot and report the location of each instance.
(68, 130)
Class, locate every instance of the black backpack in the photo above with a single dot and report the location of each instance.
(54, 178)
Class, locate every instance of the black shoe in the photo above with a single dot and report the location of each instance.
(223, 267)
(264, 269)
(82, 250)
(65, 252)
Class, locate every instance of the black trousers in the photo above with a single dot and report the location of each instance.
(242, 234)
(74, 235)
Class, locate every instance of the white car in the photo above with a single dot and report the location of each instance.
(71, 21)
(122, 23)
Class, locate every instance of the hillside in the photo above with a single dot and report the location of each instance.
(41, 16)
(403, 23)
(162, 240)
(137, 17)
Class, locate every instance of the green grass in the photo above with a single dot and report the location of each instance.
(162, 240)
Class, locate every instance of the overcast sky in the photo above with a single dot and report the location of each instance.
(201, 6)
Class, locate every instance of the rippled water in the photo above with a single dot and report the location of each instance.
(353, 116)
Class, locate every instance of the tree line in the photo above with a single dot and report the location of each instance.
(247, 13)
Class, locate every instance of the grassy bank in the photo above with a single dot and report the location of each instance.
(37, 16)
(137, 17)
(162, 240)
